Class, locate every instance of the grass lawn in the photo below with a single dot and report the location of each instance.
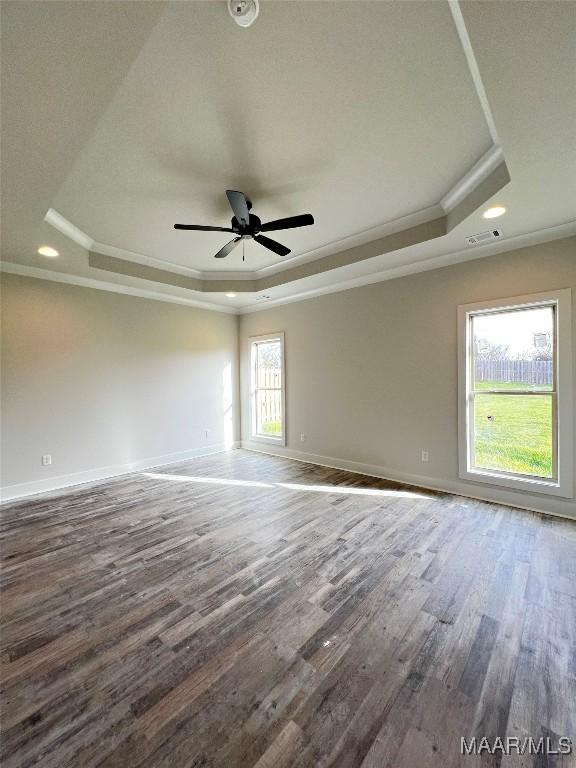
(518, 436)
(273, 428)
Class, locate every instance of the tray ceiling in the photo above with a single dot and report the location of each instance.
(365, 114)
(360, 113)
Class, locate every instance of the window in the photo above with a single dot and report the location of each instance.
(267, 388)
(515, 393)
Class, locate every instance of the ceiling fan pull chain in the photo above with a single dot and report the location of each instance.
(243, 244)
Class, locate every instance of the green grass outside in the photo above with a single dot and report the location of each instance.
(518, 438)
(272, 428)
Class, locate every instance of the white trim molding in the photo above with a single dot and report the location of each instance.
(528, 239)
(466, 44)
(13, 268)
(475, 187)
(549, 506)
(425, 265)
(253, 342)
(140, 258)
(353, 241)
(475, 176)
(12, 492)
(562, 483)
(68, 229)
(479, 183)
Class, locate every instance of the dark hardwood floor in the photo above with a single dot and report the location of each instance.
(245, 610)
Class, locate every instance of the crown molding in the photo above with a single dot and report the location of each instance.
(140, 258)
(485, 178)
(66, 227)
(478, 184)
(24, 270)
(393, 242)
(466, 44)
(74, 233)
(471, 180)
(478, 195)
(352, 241)
(568, 229)
(230, 275)
(536, 237)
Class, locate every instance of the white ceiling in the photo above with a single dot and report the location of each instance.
(126, 118)
(305, 111)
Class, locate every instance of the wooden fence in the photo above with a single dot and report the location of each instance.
(269, 401)
(537, 372)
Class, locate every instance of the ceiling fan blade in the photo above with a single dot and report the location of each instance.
(227, 248)
(272, 245)
(239, 206)
(304, 220)
(202, 228)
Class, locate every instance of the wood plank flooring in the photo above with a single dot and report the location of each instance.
(245, 610)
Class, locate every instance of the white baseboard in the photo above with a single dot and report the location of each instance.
(498, 496)
(11, 492)
(529, 502)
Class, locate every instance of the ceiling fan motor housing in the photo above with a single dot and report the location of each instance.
(252, 228)
(247, 225)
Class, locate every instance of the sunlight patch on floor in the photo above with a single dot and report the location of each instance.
(334, 489)
(353, 491)
(209, 480)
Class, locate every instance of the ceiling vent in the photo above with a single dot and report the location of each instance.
(484, 237)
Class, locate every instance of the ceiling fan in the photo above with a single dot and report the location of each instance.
(246, 225)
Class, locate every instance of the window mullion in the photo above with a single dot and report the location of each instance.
(528, 392)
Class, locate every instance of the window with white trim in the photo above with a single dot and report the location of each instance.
(515, 393)
(267, 396)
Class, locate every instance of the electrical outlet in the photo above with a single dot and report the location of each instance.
(425, 456)
(46, 459)
(302, 437)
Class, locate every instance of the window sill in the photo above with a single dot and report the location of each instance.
(268, 439)
(527, 484)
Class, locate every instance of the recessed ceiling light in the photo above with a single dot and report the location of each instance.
(230, 295)
(494, 212)
(46, 250)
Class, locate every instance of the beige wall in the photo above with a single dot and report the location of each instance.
(372, 372)
(99, 380)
